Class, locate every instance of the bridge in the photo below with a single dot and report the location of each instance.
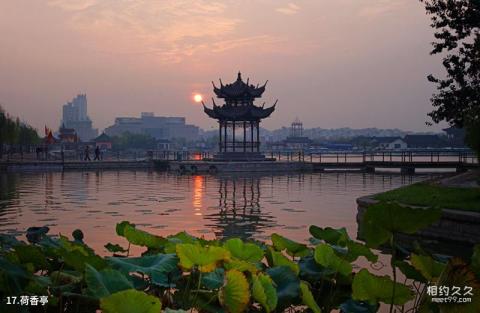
(407, 161)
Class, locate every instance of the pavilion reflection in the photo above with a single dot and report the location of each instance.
(239, 208)
(197, 194)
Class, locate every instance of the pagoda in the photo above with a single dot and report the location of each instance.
(238, 114)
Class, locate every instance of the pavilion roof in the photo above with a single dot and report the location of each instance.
(239, 113)
(238, 89)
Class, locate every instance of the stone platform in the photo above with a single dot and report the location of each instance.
(237, 166)
(46, 166)
(240, 157)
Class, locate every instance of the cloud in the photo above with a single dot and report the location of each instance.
(290, 9)
(72, 5)
(261, 41)
(381, 7)
(170, 29)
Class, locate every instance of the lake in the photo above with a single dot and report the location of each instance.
(213, 206)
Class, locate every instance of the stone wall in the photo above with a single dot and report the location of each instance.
(39, 166)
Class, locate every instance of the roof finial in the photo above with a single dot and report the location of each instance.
(214, 85)
(221, 84)
(239, 76)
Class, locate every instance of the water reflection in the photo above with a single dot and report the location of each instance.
(197, 194)
(239, 210)
(248, 206)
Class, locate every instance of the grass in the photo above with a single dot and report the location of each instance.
(424, 194)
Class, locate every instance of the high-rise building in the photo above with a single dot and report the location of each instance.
(75, 117)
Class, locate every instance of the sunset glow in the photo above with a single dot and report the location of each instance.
(197, 98)
(157, 53)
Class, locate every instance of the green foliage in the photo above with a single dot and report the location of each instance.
(339, 237)
(129, 140)
(114, 248)
(157, 267)
(308, 298)
(381, 221)
(374, 289)
(206, 258)
(264, 292)
(14, 132)
(278, 259)
(330, 235)
(458, 34)
(427, 266)
(244, 251)
(105, 282)
(352, 306)
(293, 248)
(431, 195)
(287, 285)
(235, 294)
(213, 280)
(142, 238)
(130, 301)
(325, 255)
(183, 272)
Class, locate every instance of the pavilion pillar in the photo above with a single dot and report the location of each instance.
(233, 141)
(251, 135)
(244, 136)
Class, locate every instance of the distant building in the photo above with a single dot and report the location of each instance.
(75, 117)
(67, 135)
(164, 144)
(389, 143)
(455, 136)
(296, 140)
(424, 141)
(159, 127)
(103, 141)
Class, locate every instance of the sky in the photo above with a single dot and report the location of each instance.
(331, 63)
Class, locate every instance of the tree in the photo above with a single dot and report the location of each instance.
(457, 100)
(129, 140)
(12, 132)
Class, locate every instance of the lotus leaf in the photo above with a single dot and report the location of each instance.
(105, 282)
(325, 256)
(264, 292)
(382, 220)
(235, 294)
(374, 289)
(308, 299)
(206, 258)
(244, 251)
(130, 301)
(293, 248)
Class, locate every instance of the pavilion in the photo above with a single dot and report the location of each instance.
(238, 114)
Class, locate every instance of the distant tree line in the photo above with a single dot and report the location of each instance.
(129, 140)
(14, 133)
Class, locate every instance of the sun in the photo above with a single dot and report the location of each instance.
(197, 98)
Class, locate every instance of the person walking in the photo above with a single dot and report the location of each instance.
(87, 153)
(97, 154)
